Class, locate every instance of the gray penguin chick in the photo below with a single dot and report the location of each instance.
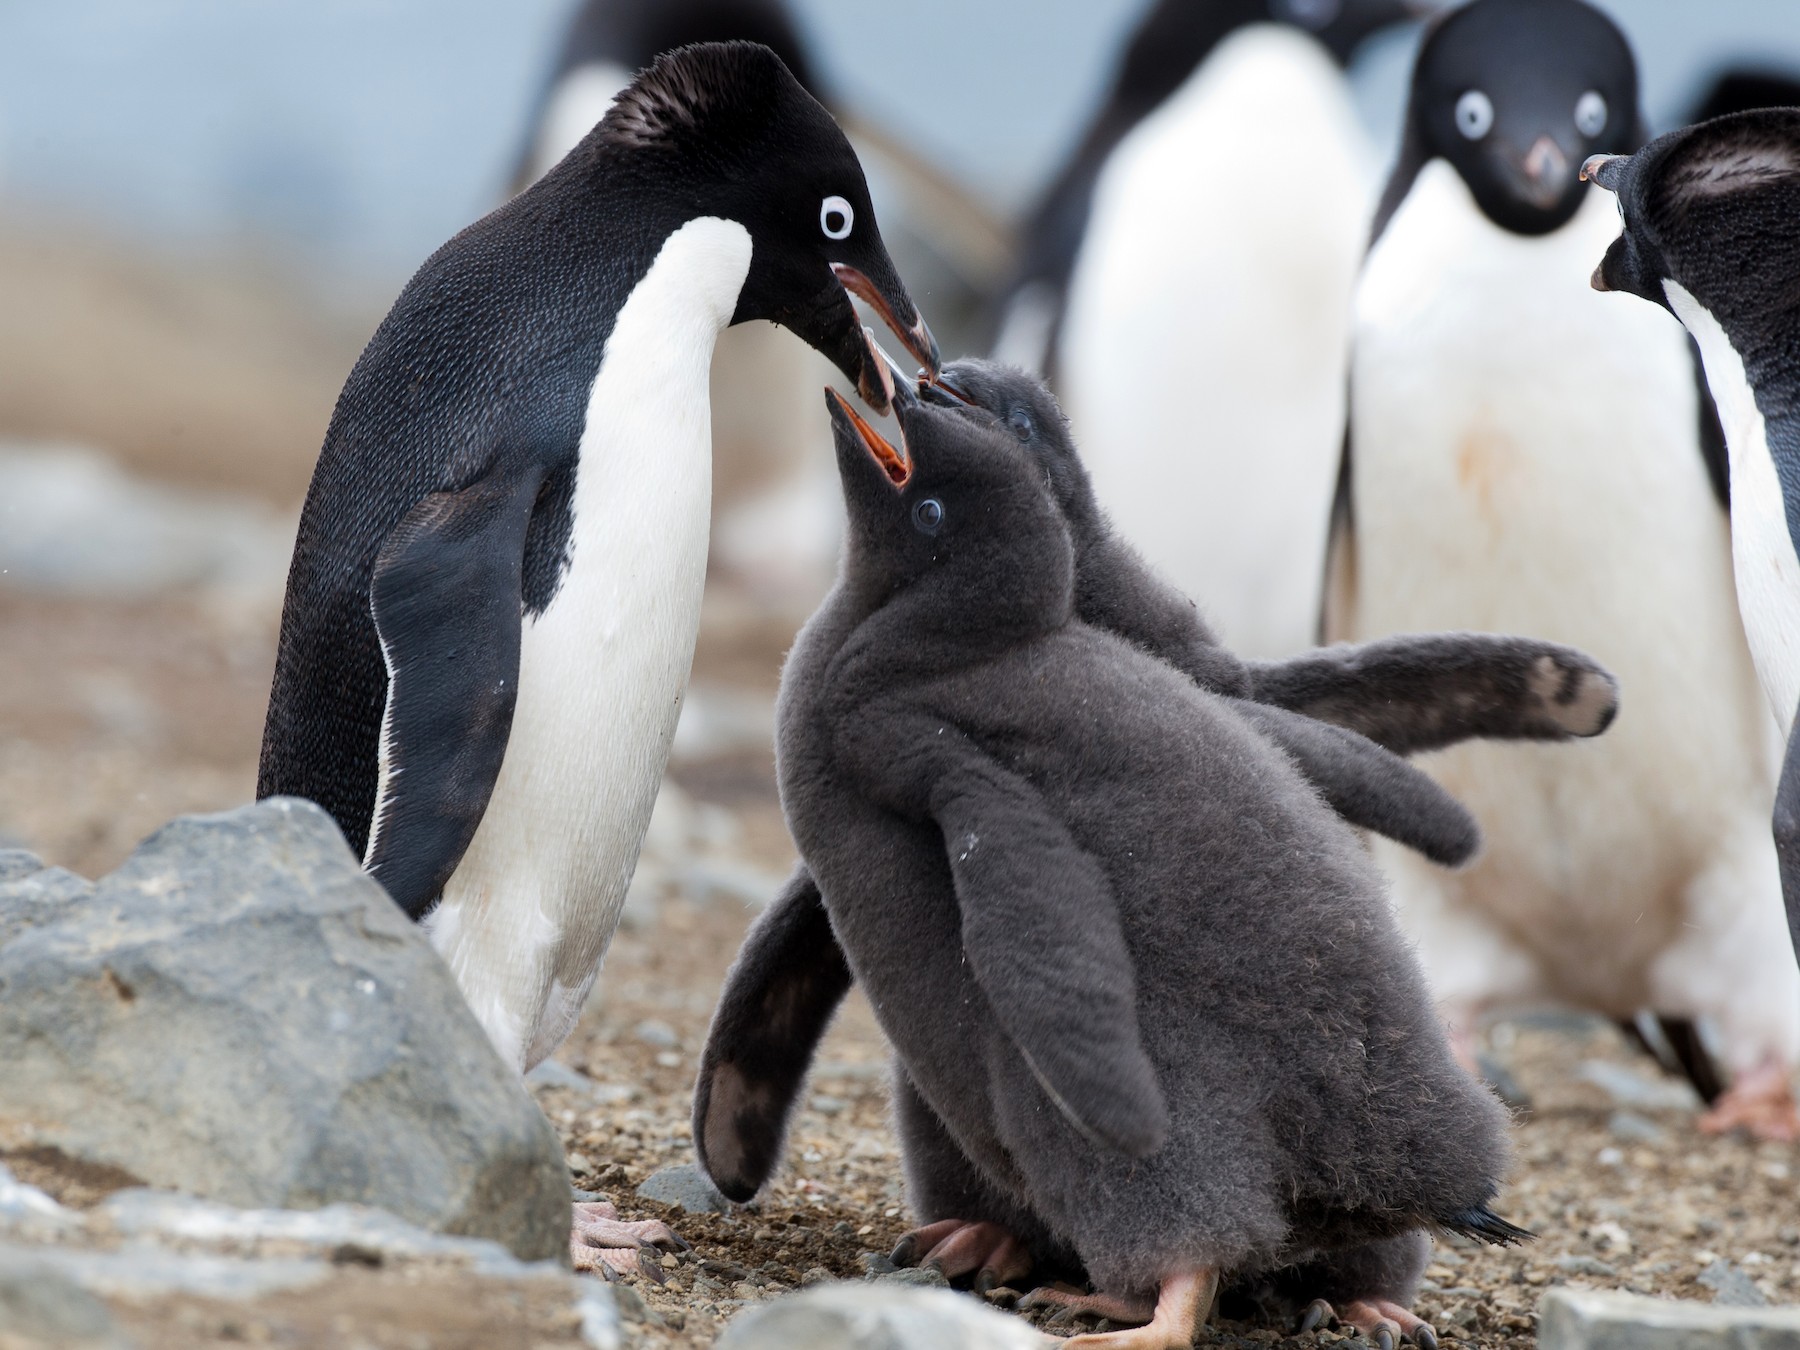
(1142, 976)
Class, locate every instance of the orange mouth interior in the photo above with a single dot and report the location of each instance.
(892, 462)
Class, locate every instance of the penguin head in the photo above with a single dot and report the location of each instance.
(1516, 95)
(962, 516)
(724, 129)
(1343, 24)
(1020, 404)
(1714, 209)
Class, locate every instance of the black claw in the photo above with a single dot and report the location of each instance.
(988, 1278)
(1316, 1314)
(1425, 1338)
(1384, 1339)
(906, 1250)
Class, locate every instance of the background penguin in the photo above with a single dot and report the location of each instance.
(1184, 248)
(494, 596)
(1712, 233)
(1488, 487)
(1411, 693)
(1169, 1108)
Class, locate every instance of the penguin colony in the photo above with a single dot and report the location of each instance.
(1157, 1027)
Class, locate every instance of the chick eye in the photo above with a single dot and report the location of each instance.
(1474, 114)
(836, 217)
(928, 515)
(1590, 113)
(1020, 422)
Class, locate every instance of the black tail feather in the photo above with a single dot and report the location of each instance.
(1483, 1225)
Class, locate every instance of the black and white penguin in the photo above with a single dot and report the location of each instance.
(1144, 983)
(1712, 234)
(1183, 248)
(1488, 486)
(494, 596)
(776, 513)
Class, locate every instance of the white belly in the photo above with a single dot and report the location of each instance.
(526, 918)
(1768, 574)
(1525, 461)
(1203, 353)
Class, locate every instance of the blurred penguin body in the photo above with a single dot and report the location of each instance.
(776, 516)
(1216, 265)
(1524, 457)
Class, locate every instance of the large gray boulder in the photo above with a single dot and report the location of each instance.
(240, 1013)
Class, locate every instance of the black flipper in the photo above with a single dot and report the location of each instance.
(1422, 692)
(1787, 834)
(779, 996)
(1066, 999)
(1371, 787)
(446, 598)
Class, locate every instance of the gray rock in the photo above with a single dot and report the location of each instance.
(1731, 1286)
(876, 1317)
(919, 1277)
(41, 1306)
(18, 862)
(1635, 1129)
(686, 1185)
(23, 1206)
(598, 1314)
(653, 1031)
(240, 1013)
(1634, 1091)
(1585, 1265)
(144, 1270)
(1589, 1319)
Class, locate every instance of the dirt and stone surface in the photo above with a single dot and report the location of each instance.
(118, 713)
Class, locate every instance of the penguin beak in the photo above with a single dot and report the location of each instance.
(914, 335)
(1604, 170)
(889, 460)
(1543, 175)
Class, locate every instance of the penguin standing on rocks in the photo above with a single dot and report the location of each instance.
(1712, 234)
(1181, 248)
(495, 592)
(1526, 456)
(1145, 984)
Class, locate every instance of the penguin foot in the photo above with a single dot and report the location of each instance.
(1182, 1307)
(1131, 1309)
(1385, 1324)
(956, 1248)
(1760, 1103)
(601, 1241)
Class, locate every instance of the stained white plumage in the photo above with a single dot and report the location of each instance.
(1525, 459)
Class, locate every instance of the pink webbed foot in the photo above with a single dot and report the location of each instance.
(1760, 1103)
(1385, 1324)
(599, 1240)
(956, 1248)
(1182, 1306)
(1131, 1309)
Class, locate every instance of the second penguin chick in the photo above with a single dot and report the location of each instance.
(1144, 979)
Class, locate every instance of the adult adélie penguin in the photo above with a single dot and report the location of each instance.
(1712, 234)
(495, 591)
(1526, 456)
(1184, 247)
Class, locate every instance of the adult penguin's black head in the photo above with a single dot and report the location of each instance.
(723, 129)
(1715, 209)
(960, 515)
(1516, 94)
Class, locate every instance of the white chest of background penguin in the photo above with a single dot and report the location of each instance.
(1184, 248)
(495, 592)
(1492, 485)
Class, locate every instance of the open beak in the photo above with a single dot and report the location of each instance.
(890, 461)
(914, 336)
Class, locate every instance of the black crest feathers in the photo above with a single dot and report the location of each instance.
(712, 91)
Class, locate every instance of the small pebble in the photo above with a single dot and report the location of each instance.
(653, 1032)
(816, 1275)
(864, 1231)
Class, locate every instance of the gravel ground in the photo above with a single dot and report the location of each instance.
(114, 717)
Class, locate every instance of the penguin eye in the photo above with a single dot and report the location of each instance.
(928, 516)
(1474, 114)
(1590, 113)
(836, 217)
(1020, 422)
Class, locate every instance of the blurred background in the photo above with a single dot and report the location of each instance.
(205, 208)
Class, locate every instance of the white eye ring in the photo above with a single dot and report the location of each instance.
(1474, 114)
(836, 217)
(1590, 113)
